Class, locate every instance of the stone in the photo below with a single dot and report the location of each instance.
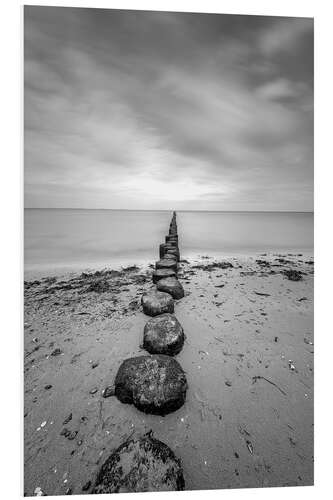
(172, 286)
(163, 335)
(170, 256)
(162, 250)
(140, 465)
(164, 247)
(171, 238)
(166, 264)
(153, 384)
(162, 273)
(155, 303)
(172, 251)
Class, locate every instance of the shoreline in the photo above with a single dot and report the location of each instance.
(248, 416)
(32, 272)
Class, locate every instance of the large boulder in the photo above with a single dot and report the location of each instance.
(172, 286)
(167, 264)
(155, 302)
(162, 273)
(140, 465)
(163, 335)
(154, 384)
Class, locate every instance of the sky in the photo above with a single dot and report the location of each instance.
(158, 110)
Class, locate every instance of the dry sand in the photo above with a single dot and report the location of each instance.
(248, 356)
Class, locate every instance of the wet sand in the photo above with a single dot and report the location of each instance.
(248, 358)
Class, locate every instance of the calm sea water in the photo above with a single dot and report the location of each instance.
(65, 239)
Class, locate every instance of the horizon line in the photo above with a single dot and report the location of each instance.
(170, 210)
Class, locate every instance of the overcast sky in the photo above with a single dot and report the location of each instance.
(147, 110)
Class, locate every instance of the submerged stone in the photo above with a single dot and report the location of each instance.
(139, 465)
(155, 302)
(162, 273)
(154, 384)
(172, 286)
(163, 335)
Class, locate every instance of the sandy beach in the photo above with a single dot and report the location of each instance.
(248, 357)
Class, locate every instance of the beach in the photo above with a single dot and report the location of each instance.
(248, 358)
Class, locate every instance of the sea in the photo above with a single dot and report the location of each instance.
(57, 241)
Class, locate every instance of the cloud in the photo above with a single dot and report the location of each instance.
(128, 109)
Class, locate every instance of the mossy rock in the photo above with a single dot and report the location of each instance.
(153, 384)
(155, 302)
(163, 335)
(163, 273)
(140, 465)
(167, 264)
(172, 286)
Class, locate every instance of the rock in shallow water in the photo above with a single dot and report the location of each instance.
(138, 465)
(172, 286)
(163, 335)
(154, 384)
(155, 303)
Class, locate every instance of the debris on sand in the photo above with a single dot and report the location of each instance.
(108, 391)
(163, 335)
(140, 465)
(99, 286)
(154, 384)
(293, 275)
(67, 419)
(39, 492)
(130, 269)
(213, 265)
(249, 446)
(262, 263)
(291, 365)
(262, 294)
(56, 352)
(259, 377)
